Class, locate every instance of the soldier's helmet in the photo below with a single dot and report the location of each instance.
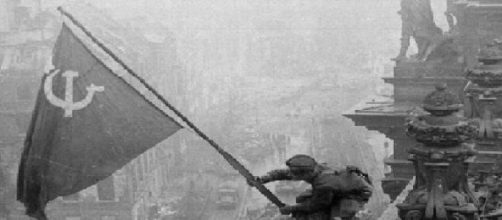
(301, 163)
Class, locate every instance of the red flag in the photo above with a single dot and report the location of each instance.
(87, 123)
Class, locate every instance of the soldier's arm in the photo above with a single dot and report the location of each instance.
(275, 175)
(321, 199)
(362, 189)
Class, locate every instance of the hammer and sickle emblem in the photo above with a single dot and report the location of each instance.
(67, 104)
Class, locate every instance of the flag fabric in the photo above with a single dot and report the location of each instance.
(87, 123)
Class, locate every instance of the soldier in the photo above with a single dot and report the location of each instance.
(333, 194)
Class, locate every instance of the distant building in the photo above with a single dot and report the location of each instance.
(26, 39)
(27, 36)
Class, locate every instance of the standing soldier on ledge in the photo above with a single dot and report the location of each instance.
(334, 195)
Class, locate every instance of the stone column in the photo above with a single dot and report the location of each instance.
(440, 160)
(484, 101)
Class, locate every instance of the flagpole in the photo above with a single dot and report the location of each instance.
(227, 156)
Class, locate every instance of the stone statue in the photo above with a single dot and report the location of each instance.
(418, 22)
(451, 16)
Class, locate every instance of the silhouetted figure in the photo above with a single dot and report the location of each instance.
(418, 22)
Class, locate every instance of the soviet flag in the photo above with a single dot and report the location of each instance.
(88, 122)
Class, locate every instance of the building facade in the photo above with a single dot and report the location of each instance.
(472, 24)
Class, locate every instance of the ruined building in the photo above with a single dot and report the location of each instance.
(458, 145)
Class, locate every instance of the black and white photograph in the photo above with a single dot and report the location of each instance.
(250, 109)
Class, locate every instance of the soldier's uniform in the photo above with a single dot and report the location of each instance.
(333, 193)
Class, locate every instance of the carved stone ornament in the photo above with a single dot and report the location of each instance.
(489, 72)
(441, 127)
(486, 76)
(441, 102)
(425, 132)
(441, 189)
(492, 53)
(413, 215)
